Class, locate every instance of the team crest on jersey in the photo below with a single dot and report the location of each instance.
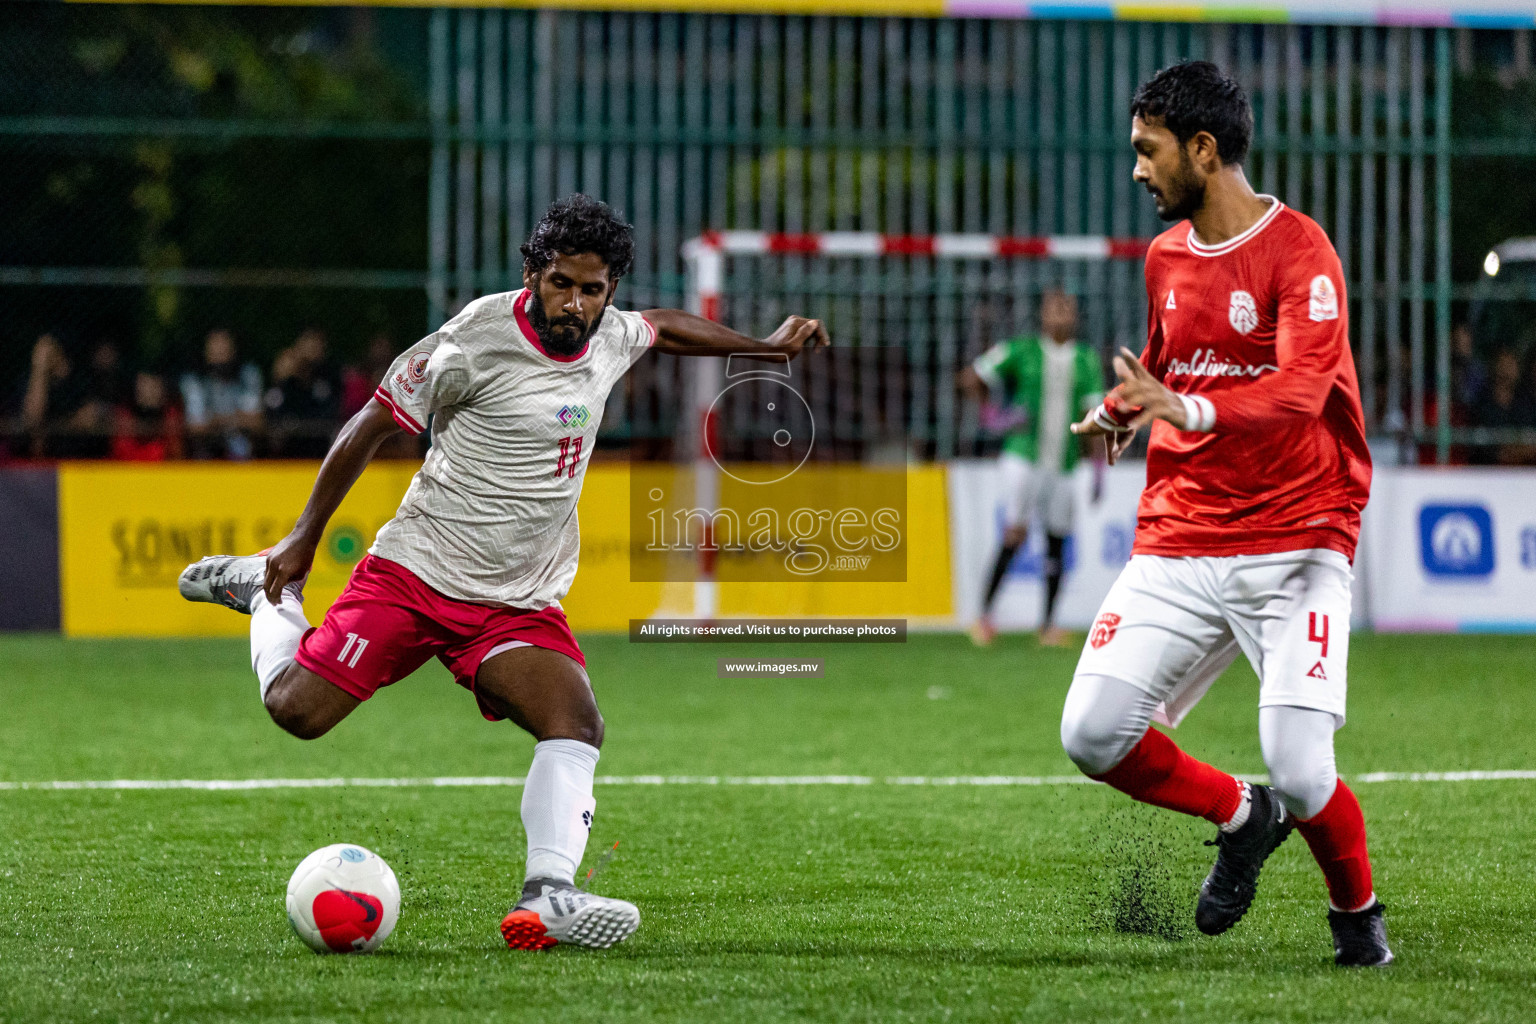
(417, 367)
(1324, 302)
(1243, 312)
(575, 416)
(1103, 629)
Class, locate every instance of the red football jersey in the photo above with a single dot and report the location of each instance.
(1254, 334)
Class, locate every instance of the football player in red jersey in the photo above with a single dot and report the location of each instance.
(1257, 470)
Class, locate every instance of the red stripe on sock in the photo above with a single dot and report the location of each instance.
(1336, 837)
(1157, 772)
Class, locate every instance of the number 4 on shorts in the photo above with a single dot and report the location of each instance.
(1319, 637)
(355, 646)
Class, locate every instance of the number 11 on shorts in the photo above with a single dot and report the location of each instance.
(355, 646)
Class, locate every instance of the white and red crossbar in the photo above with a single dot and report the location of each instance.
(705, 254)
(955, 246)
(706, 264)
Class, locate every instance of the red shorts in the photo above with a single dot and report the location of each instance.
(387, 623)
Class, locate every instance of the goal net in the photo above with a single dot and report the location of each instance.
(906, 315)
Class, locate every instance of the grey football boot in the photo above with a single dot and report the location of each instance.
(553, 912)
(230, 580)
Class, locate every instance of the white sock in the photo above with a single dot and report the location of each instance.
(558, 807)
(1367, 905)
(275, 634)
(1240, 818)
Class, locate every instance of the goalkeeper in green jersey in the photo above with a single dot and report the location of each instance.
(1044, 384)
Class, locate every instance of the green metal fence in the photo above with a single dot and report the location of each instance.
(389, 206)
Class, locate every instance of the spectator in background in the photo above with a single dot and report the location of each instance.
(68, 414)
(358, 383)
(1507, 403)
(223, 401)
(1469, 377)
(147, 426)
(304, 400)
(49, 397)
(103, 389)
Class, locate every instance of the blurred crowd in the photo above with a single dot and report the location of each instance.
(96, 405)
(1499, 393)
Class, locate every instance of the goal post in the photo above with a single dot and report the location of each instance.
(938, 299)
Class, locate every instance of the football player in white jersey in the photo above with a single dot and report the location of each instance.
(472, 568)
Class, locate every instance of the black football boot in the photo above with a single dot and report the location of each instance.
(1360, 937)
(1228, 890)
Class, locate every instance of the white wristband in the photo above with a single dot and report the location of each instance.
(1199, 413)
(1101, 417)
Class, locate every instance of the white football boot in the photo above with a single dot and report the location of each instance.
(552, 912)
(230, 580)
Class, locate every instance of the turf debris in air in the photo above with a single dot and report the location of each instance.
(1139, 887)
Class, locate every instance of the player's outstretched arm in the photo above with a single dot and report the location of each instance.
(344, 463)
(683, 334)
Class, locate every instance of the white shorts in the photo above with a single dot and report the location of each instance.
(1170, 626)
(1027, 489)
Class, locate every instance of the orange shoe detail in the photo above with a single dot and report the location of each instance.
(523, 929)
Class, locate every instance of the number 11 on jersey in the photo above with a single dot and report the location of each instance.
(570, 447)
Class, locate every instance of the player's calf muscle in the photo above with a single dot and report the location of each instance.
(565, 717)
(544, 693)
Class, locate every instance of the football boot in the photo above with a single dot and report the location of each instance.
(1228, 890)
(552, 912)
(1360, 937)
(230, 580)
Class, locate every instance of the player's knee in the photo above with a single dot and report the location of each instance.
(578, 720)
(296, 723)
(1094, 745)
(586, 726)
(292, 717)
(1103, 719)
(1305, 789)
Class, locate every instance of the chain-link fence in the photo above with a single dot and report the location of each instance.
(363, 173)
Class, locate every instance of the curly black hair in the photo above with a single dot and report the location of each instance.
(577, 224)
(1196, 96)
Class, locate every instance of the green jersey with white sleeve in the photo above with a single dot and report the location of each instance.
(1053, 384)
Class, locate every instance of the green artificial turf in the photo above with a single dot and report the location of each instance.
(876, 902)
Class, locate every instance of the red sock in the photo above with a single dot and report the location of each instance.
(1157, 772)
(1337, 838)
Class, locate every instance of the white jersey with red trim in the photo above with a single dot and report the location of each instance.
(491, 515)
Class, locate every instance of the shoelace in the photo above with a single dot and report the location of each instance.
(1226, 875)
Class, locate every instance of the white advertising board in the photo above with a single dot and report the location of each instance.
(1451, 550)
(1440, 550)
(1098, 549)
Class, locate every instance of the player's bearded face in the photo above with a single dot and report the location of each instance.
(1181, 193)
(1163, 166)
(570, 297)
(565, 334)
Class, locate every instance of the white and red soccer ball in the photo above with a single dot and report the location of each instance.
(343, 899)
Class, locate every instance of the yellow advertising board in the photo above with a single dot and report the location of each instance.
(126, 532)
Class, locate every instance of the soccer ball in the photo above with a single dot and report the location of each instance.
(343, 899)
